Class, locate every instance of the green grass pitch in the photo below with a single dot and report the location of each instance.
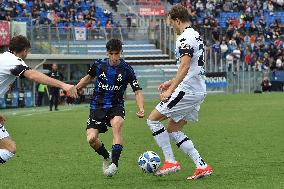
(241, 136)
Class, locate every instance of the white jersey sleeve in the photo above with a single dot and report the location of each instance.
(11, 67)
(189, 43)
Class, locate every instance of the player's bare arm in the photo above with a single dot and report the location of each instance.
(84, 82)
(2, 119)
(185, 62)
(42, 78)
(140, 103)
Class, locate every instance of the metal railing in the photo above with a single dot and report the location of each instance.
(44, 38)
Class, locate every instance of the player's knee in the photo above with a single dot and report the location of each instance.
(117, 127)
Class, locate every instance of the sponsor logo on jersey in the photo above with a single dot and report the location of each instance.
(108, 87)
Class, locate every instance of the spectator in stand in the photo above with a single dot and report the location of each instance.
(230, 32)
(193, 17)
(230, 61)
(246, 39)
(227, 6)
(199, 7)
(216, 34)
(97, 29)
(270, 8)
(248, 58)
(280, 63)
(89, 25)
(224, 49)
(108, 27)
(209, 8)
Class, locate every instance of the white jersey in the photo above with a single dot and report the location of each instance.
(11, 67)
(189, 43)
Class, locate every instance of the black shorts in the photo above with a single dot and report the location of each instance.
(100, 118)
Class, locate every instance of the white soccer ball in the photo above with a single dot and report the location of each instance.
(149, 162)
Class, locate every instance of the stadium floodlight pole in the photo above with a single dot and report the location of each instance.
(35, 68)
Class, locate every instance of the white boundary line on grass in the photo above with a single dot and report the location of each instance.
(41, 110)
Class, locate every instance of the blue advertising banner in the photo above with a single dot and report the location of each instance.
(2, 102)
(216, 80)
(277, 80)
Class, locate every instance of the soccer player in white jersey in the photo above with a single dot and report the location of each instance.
(181, 97)
(12, 65)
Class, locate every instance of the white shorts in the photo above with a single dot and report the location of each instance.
(3, 132)
(181, 106)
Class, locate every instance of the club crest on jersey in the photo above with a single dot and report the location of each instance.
(103, 76)
(119, 77)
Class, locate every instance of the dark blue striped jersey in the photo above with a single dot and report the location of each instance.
(111, 83)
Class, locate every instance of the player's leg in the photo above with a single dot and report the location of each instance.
(56, 99)
(7, 146)
(116, 124)
(95, 143)
(186, 145)
(96, 125)
(51, 99)
(39, 99)
(161, 137)
(98, 146)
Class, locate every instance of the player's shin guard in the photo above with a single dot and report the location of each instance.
(5, 155)
(102, 151)
(186, 145)
(161, 136)
(116, 151)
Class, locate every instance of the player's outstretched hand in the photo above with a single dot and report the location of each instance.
(71, 89)
(140, 114)
(80, 91)
(2, 120)
(164, 86)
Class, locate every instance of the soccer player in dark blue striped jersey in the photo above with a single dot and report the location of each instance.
(112, 75)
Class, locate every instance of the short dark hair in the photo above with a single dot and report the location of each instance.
(179, 12)
(114, 45)
(19, 43)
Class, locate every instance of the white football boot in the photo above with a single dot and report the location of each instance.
(111, 170)
(106, 162)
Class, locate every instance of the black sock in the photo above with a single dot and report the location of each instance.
(102, 151)
(116, 151)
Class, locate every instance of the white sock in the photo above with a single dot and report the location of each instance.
(186, 145)
(162, 138)
(5, 155)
